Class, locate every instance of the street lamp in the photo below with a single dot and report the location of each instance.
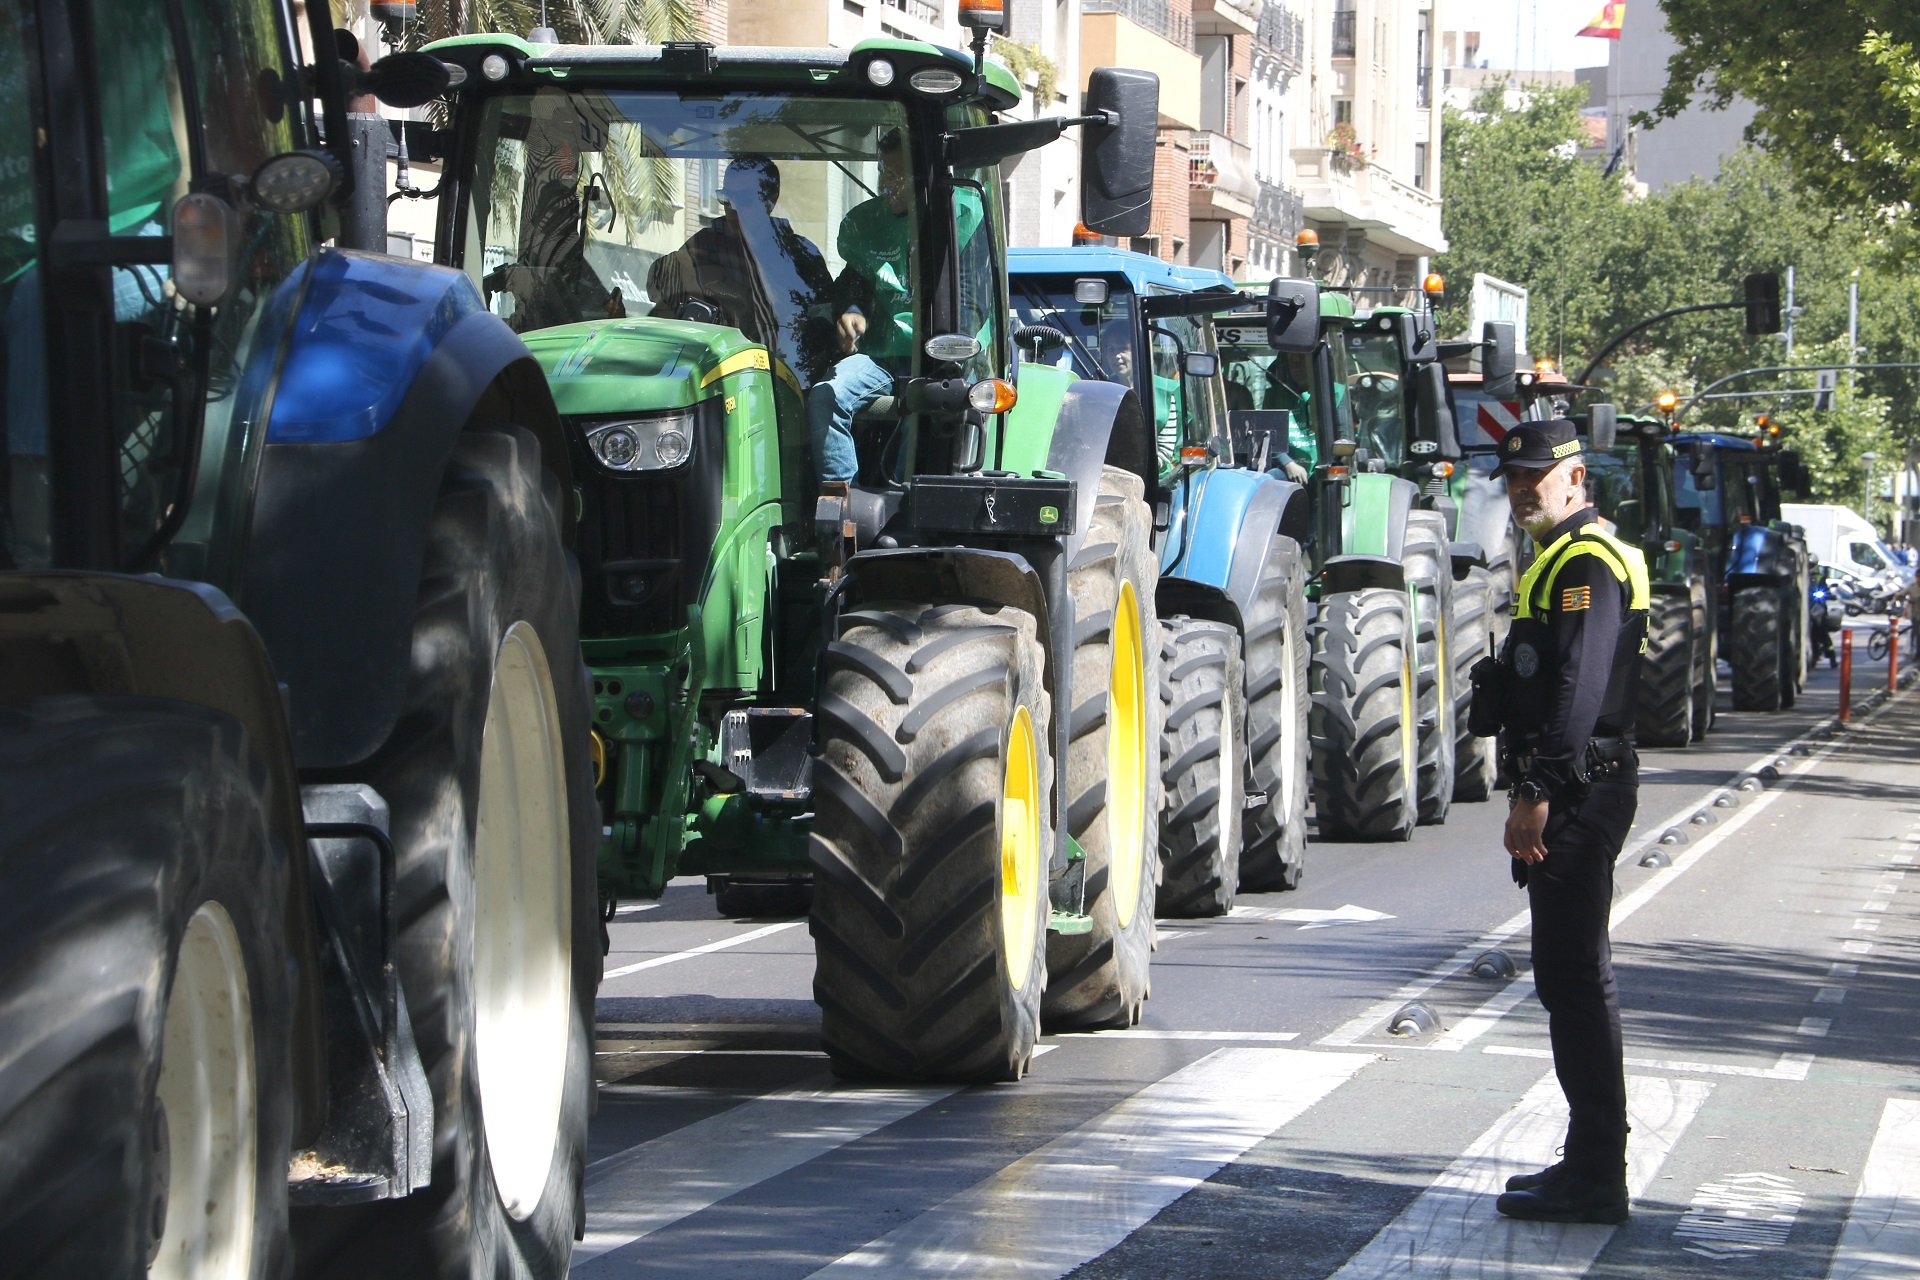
(1866, 484)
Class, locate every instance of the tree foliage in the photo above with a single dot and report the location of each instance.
(1597, 257)
(1835, 84)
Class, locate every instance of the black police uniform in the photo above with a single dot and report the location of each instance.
(1563, 693)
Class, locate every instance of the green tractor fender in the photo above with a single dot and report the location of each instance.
(1373, 532)
(1073, 429)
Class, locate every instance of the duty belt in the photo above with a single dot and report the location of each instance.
(1605, 758)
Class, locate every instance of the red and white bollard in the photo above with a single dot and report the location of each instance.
(1846, 675)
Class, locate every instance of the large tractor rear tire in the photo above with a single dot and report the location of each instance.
(144, 995)
(1364, 744)
(932, 796)
(1429, 569)
(1793, 664)
(1275, 652)
(1474, 763)
(489, 782)
(1706, 660)
(1204, 749)
(1665, 717)
(1099, 978)
(1759, 655)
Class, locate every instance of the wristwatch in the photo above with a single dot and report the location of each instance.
(1528, 789)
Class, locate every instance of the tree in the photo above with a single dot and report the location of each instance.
(1835, 85)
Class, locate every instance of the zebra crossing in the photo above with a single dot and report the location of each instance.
(1078, 1193)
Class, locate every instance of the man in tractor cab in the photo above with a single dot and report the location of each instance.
(1280, 385)
(873, 307)
(767, 279)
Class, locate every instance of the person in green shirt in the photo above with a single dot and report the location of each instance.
(873, 307)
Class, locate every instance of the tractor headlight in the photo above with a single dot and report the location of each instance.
(657, 442)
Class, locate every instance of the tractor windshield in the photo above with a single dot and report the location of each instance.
(1614, 485)
(738, 209)
(1254, 377)
(1100, 335)
(1379, 408)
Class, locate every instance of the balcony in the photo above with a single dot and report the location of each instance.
(1278, 212)
(1365, 196)
(1220, 173)
(1112, 36)
(1284, 33)
(1343, 33)
(1156, 16)
(1227, 17)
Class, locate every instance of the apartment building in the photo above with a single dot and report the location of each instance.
(1365, 133)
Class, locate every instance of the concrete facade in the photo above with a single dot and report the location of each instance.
(1692, 144)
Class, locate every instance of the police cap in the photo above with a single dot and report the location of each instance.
(1538, 445)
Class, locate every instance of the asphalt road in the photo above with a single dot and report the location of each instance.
(1263, 1121)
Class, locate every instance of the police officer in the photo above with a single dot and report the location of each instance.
(1562, 695)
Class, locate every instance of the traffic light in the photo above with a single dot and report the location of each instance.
(1824, 383)
(1763, 302)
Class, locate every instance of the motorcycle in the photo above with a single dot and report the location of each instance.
(1826, 614)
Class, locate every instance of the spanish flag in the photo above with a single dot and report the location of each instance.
(1606, 24)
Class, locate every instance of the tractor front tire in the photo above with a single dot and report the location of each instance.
(1759, 657)
(931, 841)
(1429, 570)
(1665, 717)
(1364, 743)
(1204, 748)
(1275, 653)
(145, 995)
(1706, 661)
(488, 778)
(1099, 979)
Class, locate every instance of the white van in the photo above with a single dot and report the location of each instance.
(1841, 537)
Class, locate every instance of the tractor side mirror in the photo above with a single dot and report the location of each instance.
(1293, 316)
(1200, 364)
(1498, 361)
(1116, 158)
(1603, 427)
(1433, 415)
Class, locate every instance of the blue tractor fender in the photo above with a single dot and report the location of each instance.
(1234, 518)
(385, 363)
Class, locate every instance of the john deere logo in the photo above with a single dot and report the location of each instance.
(1049, 515)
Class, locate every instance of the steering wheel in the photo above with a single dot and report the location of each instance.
(694, 307)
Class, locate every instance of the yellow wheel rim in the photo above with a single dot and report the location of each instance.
(1126, 758)
(1408, 735)
(1020, 886)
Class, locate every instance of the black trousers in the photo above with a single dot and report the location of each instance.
(1571, 895)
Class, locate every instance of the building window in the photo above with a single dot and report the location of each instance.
(1420, 165)
(1343, 32)
(1343, 111)
(1423, 59)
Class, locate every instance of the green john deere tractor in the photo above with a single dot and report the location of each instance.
(1367, 407)
(920, 701)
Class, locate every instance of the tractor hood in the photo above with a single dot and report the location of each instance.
(607, 367)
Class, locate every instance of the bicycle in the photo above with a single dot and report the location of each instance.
(1879, 637)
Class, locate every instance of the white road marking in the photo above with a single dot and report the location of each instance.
(1882, 1235)
(1791, 1066)
(752, 935)
(634, 908)
(1152, 1033)
(1857, 948)
(681, 1173)
(1086, 1191)
(1830, 995)
(1452, 1229)
(1740, 1214)
(1310, 917)
(1814, 1027)
(1844, 969)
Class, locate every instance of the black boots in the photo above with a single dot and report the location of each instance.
(1563, 1193)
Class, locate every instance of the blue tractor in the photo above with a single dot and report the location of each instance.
(1232, 594)
(297, 858)
(1727, 493)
